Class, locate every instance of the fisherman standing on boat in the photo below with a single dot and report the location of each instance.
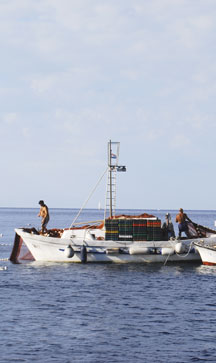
(167, 228)
(44, 213)
(181, 219)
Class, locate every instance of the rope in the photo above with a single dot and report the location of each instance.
(4, 259)
(87, 222)
(83, 206)
(167, 258)
(178, 254)
(5, 244)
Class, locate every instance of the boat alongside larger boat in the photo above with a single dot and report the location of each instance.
(207, 251)
(118, 239)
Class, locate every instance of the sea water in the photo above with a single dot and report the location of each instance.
(59, 312)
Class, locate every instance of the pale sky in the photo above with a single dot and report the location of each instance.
(77, 73)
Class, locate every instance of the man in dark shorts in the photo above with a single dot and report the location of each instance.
(181, 219)
(44, 213)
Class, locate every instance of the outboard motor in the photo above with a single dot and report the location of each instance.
(83, 254)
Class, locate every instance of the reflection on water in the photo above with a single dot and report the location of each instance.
(206, 270)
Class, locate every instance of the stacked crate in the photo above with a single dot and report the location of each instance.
(112, 229)
(125, 229)
(149, 230)
(157, 232)
(128, 229)
(154, 230)
(139, 229)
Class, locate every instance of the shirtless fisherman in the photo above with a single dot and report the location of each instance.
(44, 213)
(181, 219)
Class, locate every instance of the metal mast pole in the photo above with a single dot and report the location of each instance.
(110, 177)
(113, 167)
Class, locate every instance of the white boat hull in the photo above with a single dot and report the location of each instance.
(52, 249)
(207, 253)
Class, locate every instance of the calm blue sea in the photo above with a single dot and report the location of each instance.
(104, 313)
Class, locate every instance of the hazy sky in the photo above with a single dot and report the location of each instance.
(77, 73)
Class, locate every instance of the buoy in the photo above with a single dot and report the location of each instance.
(69, 252)
(167, 251)
(180, 248)
(139, 250)
(83, 254)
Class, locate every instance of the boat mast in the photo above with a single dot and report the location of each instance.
(110, 178)
(113, 167)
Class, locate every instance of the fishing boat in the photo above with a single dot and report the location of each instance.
(116, 238)
(207, 252)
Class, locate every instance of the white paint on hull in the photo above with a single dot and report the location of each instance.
(52, 249)
(208, 255)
